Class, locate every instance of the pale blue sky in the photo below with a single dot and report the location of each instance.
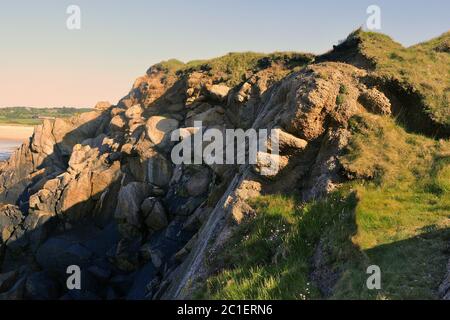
(44, 64)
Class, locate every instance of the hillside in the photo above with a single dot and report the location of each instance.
(363, 179)
(34, 116)
(415, 79)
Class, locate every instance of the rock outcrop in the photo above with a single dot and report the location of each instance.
(100, 190)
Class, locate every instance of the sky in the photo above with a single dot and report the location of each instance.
(44, 64)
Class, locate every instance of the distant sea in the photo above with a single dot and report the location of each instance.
(7, 147)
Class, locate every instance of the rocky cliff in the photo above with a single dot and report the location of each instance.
(100, 190)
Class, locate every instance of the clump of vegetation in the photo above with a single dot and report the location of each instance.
(340, 99)
(34, 116)
(423, 68)
(343, 89)
(269, 257)
(235, 67)
(393, 214)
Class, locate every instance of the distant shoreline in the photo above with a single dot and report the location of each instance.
(15, 132)
(14, 124)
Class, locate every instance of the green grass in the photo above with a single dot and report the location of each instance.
(234, 68)
(269, 257)
(21, 122)
(423, 68)
(395, 213)
(30, 116)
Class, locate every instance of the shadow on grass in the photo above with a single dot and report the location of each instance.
(307, 252)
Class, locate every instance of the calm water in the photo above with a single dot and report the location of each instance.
(7, 147)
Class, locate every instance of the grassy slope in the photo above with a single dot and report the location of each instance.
(394, 212)
(234, 67)
(424, 67)
(397, 220)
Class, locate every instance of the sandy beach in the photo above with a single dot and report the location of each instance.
(15, 133)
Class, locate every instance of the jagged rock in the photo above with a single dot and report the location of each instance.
(289, 141)
(10, 218)
(444, 288)
(375, 101)
(269, 165)
(198, 183)
(177, 107)
(38, 225)
(211, 117)
(126, 257)
(313, 98)
(197, 219)
(102, 179)
(159, 129)
(99, 169)
(43, 139)
(135, 112)
(79, 156)
(16, 292)
(127, 148)
(76, 197)
(129, 203)
(115, 111)
(324, 176)
(154, 213)
(118, 123)
(69, 132)
(41, 286)
(243, 93)
(136, 127)
(102, 105)
(7, 280)
(159, 170)
(218, 92)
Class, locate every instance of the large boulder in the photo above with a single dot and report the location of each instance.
(159, 128)
(76, 199)
(159, 170)
(118, 123)
(154, 213)
(129, 202)
(16, 292)
(199, 182)
(7, 280)
(134, 112)
(218, 92)
(211, 117)
(10, 218)
(69, 132)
